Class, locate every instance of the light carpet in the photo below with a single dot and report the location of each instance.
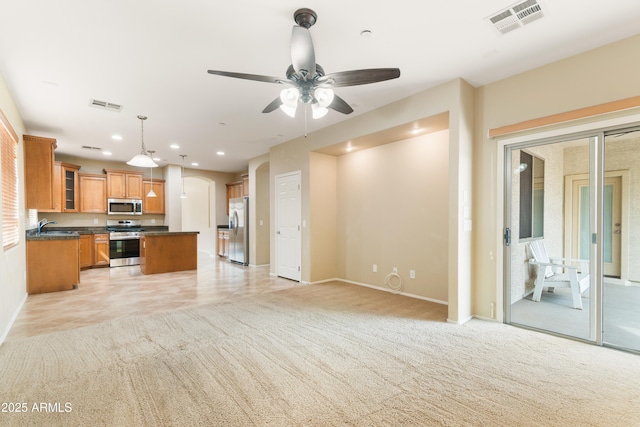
(317, 355)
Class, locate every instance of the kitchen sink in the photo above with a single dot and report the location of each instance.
(57, 233)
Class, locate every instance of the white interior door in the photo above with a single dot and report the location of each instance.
(288, 219)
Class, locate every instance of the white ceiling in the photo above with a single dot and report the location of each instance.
(152, 57)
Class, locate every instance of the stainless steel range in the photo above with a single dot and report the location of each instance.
(124, 242)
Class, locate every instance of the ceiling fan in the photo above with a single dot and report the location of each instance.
(307, 83)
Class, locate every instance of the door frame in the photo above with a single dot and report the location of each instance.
(624, 217)
(277, 177)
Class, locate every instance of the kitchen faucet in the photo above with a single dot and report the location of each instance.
(42, 223)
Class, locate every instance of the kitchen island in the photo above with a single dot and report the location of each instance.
(165, 251)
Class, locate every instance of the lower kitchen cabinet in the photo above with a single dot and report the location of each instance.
(52, 265)
(86, 250)
(223, 243)
(101, 250)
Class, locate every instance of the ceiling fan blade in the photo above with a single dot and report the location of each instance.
(340, 105)
(303, 57)
(359, 77)
(244, 76)
(274, 105)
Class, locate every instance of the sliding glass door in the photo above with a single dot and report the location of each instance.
(550, 282)
(621, 235)
(572, 236)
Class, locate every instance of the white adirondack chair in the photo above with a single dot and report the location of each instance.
(559, 273)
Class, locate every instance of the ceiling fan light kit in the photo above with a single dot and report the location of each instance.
(306, 80)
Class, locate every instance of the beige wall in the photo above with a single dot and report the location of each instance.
(455, 97)
(323, 216)
(393, 212)
(259, 216)
(602, 75)
(13, 287)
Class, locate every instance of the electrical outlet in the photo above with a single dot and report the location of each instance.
(153, 220)
(395, 270)
(412, 274)
(375, 268)
(95, 220)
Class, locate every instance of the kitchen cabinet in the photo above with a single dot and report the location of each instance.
(153, 205)
(164, 252)
(64, 187)
(93, 193)
(235, 189)
(124, 184)
(245, 185)
(52, 265)
(101, 249)
(39, 172)
(86, 250)
(223, 243)
(69, 187)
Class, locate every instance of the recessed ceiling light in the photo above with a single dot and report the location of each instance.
(157, 159)
(194, 164)
(107, 153)
(220, 153)
(349, 148)
(366, 33)
(174, 146)
(116, 137)
(417, 131)
(222, 124)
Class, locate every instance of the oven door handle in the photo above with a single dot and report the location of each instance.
(124, 238)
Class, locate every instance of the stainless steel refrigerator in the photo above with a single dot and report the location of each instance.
(239, 230)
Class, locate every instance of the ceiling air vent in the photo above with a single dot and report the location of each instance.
(105, 105)
(87, 147)
(516, 15)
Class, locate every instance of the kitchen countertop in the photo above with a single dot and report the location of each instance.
(69, 233)
(167, 233)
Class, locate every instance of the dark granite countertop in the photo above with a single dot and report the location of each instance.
(67, 233)
(167, 233)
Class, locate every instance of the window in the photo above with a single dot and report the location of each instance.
(9, 165)
(531, 171)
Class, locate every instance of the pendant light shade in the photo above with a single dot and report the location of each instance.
(142, 160)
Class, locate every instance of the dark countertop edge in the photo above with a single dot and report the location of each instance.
(95, 230)
(45, 236)
(167, 233)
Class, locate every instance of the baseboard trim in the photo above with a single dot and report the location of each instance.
(460, 322)
(379, 288)
(5, 333)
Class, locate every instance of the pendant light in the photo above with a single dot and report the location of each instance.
(142, 160)
(183, 195)
(151, 193)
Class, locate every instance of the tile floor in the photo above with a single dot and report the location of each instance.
(106, 294)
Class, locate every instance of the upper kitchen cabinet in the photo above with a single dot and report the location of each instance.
(124, 184)
(153, 205)
(65, 188)
(69, 187)
(93, 193)
(39, 172)
(245, 184)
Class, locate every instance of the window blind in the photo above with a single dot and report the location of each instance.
(9, 164)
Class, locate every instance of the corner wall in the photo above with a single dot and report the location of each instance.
(13, 284)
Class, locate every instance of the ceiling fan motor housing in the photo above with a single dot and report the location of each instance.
(305, 17)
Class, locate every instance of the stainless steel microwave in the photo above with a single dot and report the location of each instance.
(124, 207)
